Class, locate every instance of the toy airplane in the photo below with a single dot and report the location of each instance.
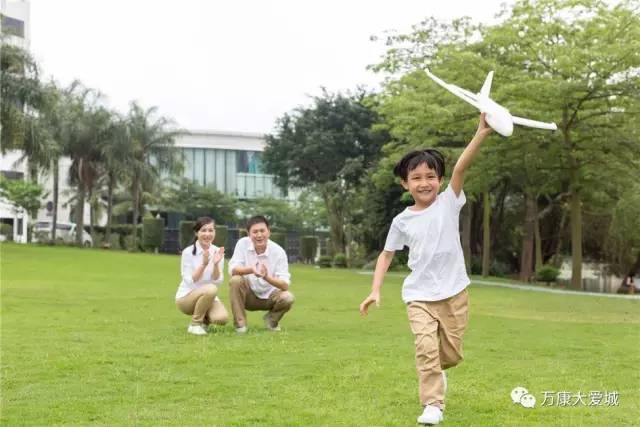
(497, 116)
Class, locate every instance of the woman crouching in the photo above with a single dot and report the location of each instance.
(202, 272)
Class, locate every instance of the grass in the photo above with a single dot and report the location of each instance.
(94, 337)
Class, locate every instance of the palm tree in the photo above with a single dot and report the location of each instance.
(88, 128)
(115, 154)
(152, 152)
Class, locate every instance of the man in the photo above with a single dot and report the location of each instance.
(260, 277)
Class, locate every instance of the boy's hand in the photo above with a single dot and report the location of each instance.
(483, 128)
(364, 307)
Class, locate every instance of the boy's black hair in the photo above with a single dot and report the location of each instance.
(257, 219)
(432, 158)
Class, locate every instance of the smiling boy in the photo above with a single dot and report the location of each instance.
(435, 291)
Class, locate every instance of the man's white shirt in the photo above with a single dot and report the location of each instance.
(274, 258)
(436, 259)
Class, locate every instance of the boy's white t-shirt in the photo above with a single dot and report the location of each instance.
(435, 253)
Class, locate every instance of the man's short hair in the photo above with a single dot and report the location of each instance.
(256, 219)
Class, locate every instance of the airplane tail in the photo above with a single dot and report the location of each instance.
(486, 87)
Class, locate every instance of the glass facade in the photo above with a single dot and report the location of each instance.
(234, 172)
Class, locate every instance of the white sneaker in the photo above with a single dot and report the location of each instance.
(241, 329)
(269, 324)
(432, 415)
(196, 330)
(444, 380)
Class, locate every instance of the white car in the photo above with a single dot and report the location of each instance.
(64, 230)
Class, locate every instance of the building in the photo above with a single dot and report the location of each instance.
(15, 26)
(16, 23)
(229, 161)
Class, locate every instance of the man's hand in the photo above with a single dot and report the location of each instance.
(260, 270)
(364, 307)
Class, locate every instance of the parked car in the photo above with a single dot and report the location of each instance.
(64, 230)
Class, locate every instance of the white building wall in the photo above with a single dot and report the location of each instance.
(19, 10)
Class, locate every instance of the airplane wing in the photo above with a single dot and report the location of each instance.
(534, 124)
(463, 94)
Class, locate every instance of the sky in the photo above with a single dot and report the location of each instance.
(234, 65)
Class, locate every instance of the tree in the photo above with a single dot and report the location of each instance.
(194, 200)
(327, 146)
(583, 57)
(580, 60)
(152, 152)
(23, 194)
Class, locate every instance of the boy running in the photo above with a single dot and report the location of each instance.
(435, 290)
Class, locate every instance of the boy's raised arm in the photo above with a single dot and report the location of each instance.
(382, 265)
(457, 178)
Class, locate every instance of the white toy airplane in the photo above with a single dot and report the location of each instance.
(497, 116)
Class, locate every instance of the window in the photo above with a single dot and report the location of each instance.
(13, 175)
(198, 166)
(12, 26)
(249, 161)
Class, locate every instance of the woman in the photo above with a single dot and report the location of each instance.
(202, 270)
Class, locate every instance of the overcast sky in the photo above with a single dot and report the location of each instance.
(233, 65)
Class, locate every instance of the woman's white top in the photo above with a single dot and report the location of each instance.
(189, 264)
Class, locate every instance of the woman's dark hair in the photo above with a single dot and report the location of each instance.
(200, 222)
(257, 219)
(432, 158)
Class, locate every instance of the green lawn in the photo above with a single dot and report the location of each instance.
(90, 336)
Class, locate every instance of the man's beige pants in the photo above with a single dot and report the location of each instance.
(438, 327)
(201, 303)
(243, 298)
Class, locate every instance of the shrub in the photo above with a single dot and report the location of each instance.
(114, 242)
(152, 233)
(547, 273)
(98, 239)
(308, 248)
(242, 233)
(279, 238)
(357, 262)
(7, 231)
(222, 236)
(340, 260)
(325, 261)
(186, 233)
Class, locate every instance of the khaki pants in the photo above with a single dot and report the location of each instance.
(243, 298)
(202, 305)
(438, 327)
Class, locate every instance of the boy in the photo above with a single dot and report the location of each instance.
(435, 291)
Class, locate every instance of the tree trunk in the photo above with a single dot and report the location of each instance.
(538, 239)
(575, 210)
(92, 212)
(56, 190)
(136, 204)
(110, 185)
(486, 233)
(556, 253)
(576, 241)
(80, 212)
(466, 235)
(336, 219)
(526, 255)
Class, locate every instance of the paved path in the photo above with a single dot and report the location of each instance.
(525, 287)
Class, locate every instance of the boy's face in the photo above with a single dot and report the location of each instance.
(423, 184)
